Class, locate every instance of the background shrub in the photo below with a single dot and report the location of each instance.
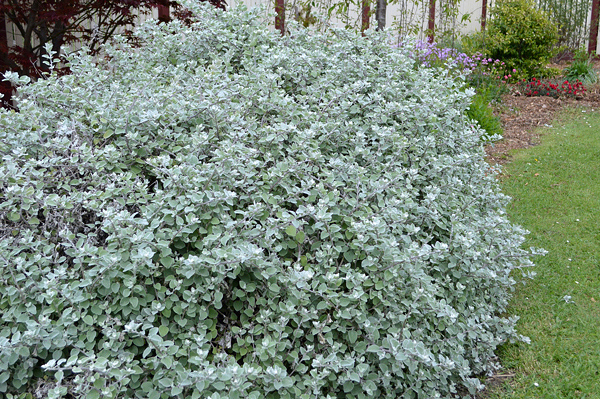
(522, 36)
(581, 69)
(223, 212)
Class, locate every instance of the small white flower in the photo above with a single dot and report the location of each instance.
(567, 299)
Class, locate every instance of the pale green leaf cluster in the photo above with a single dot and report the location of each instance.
(221, 212)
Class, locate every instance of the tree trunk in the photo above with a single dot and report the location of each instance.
(58, 35)
(381, 9)
(280, 16)
(431, 24)
(3, 39)
(593, 43)
(5, 87)
(483, 14)
(164, 13)
(366, 10)
(31, 24)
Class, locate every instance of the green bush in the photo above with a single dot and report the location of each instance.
(222, 212)
(472, 43)
(522, 36)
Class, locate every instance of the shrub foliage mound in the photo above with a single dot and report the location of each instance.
(523, 36)
(226, 213)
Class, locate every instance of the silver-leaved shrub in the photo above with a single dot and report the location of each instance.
(221, 212)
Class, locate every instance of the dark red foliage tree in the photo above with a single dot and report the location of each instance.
(62, 22)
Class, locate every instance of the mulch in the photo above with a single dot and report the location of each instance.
(521, 115)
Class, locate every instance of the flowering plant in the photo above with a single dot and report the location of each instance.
(485, 71)
(484, 74)
(538, 87)
(481, 71)
(430, 55)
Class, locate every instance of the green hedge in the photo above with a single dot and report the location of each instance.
(222, 212)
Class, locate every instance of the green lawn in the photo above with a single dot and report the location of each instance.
(556, 196)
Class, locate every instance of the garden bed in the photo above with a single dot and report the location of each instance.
(520, 116)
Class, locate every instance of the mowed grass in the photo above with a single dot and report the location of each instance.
(556, 196)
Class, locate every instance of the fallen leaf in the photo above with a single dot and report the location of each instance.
(593, 300)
